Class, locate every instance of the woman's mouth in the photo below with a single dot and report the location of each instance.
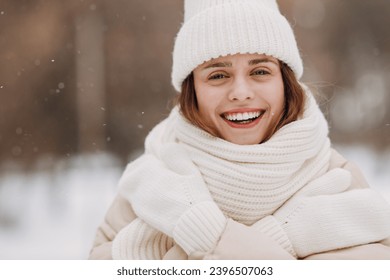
(243, 119)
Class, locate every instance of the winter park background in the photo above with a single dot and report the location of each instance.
(83, 81)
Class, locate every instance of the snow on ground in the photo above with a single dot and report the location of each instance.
(53, 213)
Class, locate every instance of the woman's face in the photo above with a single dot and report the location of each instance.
(241, 96)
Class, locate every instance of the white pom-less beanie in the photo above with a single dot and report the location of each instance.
(214, 28)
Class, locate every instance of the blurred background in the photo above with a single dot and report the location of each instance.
(82, 82)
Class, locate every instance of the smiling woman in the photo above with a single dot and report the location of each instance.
(241, 98)
(246, 91)
(243, 167)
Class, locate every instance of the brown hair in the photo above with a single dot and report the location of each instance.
(294, 102)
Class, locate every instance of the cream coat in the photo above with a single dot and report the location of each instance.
(251, 245)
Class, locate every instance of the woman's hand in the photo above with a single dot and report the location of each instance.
(325, 215)
(169, 194)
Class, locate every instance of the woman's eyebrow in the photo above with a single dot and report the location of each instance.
(219, 64)
(250, 63)
(262, 60)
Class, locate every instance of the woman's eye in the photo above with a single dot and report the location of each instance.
(217, 76)
(260, 72)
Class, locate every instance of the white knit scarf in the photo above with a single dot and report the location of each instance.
(249, 182)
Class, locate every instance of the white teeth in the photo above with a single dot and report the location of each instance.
(242, 116)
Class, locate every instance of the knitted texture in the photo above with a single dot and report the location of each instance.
(181, 205)
(282, 187)
(140, 241)
(330, 222)
(272, 227)
(249, 182)
(200, 228)
(214, 28)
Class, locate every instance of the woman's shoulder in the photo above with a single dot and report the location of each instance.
(338, 161)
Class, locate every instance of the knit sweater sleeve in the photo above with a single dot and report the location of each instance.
(139, 241)
(329, 222)
(174, 200)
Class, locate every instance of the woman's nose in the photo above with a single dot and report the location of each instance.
(240, 90)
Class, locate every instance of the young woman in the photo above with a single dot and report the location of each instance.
(243, 167)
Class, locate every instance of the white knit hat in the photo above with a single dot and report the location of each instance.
(214, 28)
